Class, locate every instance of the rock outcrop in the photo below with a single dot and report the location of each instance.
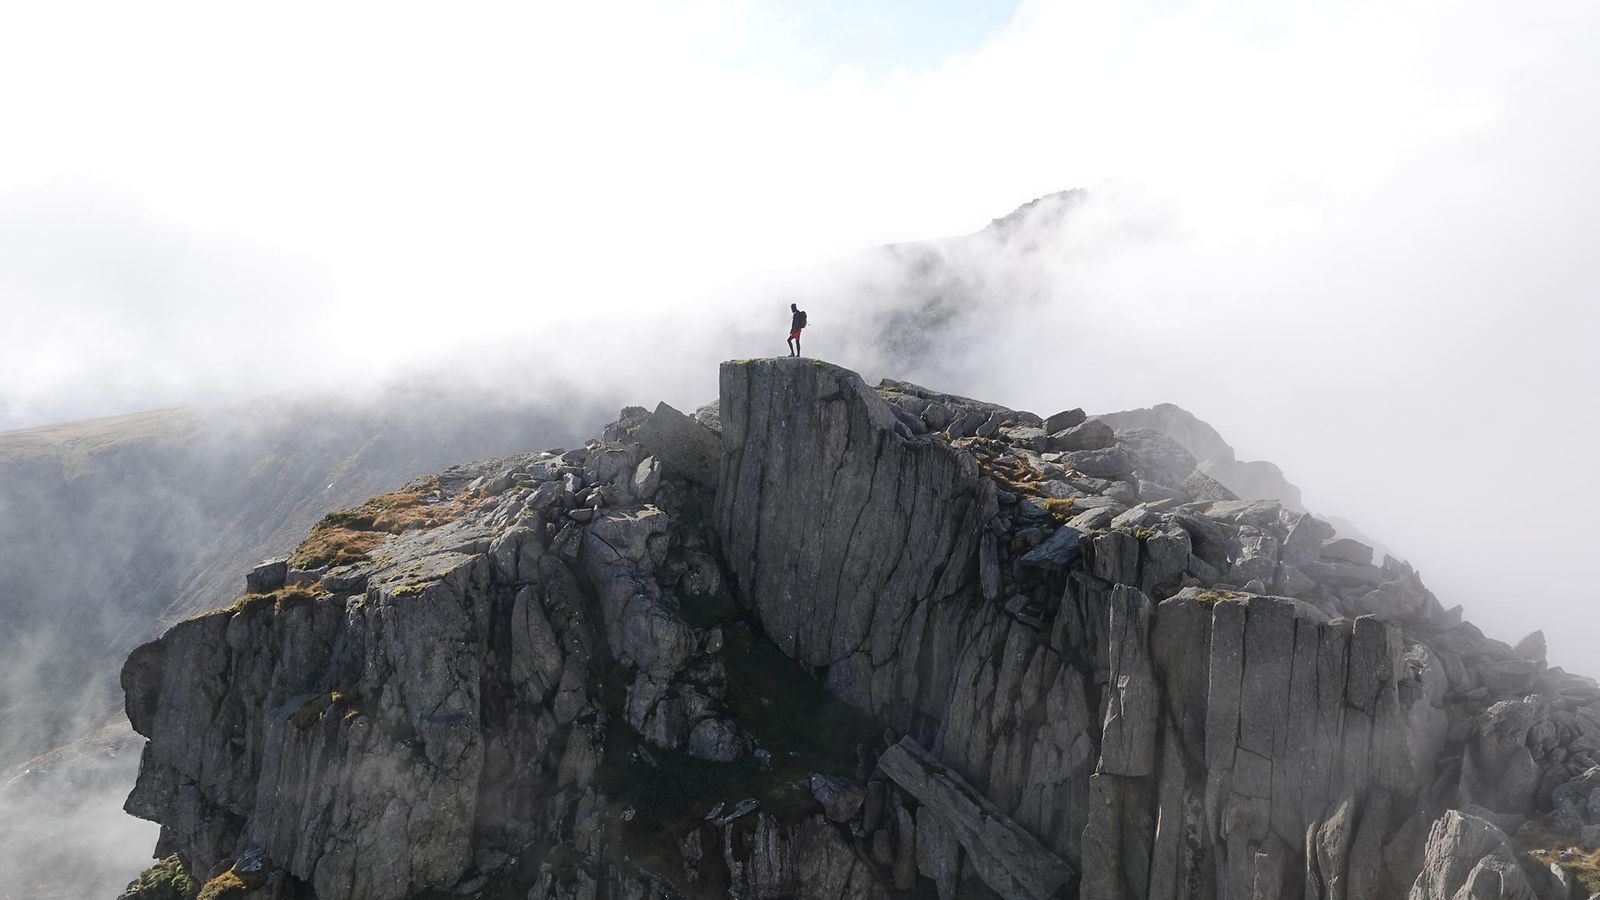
(899, 640)
(1209, 452)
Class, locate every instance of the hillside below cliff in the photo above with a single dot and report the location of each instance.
(825, 640)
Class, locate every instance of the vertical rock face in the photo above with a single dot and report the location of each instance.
(855, 543)
(1138, 708)
(423, 682)
(369, 744)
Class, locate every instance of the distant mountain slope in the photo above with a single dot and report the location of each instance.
(112, 528)
(918, 310)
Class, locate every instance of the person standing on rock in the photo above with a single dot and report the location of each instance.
(796, 325)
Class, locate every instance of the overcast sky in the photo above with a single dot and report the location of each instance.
(1359, 238)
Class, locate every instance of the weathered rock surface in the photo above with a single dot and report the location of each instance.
(683, 443)
(1089, 686)
(1230, 725)
(1007, 857)
(1469, 859)
(839, 530)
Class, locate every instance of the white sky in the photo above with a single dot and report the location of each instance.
(1358, 237)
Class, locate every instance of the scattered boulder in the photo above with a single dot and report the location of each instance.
(269, 576)
(841, 798)
(1058, 551)
(1468, 858)
(1091, 435)
(684, 445)
(1106, 463)
(1006, 856)
(1347, 550)
(715, 739)
(646, 479)
(1063, 420)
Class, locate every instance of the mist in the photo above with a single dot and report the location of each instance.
(1355, 238)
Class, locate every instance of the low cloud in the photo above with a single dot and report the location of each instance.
(1353, 237)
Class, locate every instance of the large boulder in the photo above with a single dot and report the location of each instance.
(1063, 420)
(683, 444)
(1009, 859)
(1091, 435)
(1467, 858)
(1105, 463)
(1498, 771)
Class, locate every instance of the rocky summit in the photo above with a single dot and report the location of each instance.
(828, 641)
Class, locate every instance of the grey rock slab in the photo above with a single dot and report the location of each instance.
(1101, 463)
(1202, 487)
(1124, 492)
(1342, 574)
(905, 857)
(841, 798)
(1063, 420)
(1468, 858)
(836, 528)
(1091, 435)
(1531, 647)
(716, 739)
(967, 423)
(646, 479)
(1093, 519)
(939, 398)
(1009, 859)
(740, 810)
(1289, 581)
(1025, 436)
(268, 576)
(989, 568)
(710, 416)
(1150, 490)
(1260, 513)
(1306, 536)
(1157, 456)
(1136, 517)
(938, 852)
(1347, 550)
(1057, 552)
(1133, 699)
(685, 446)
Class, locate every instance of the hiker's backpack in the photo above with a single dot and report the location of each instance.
(802, 318)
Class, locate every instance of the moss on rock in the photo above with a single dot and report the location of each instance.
(166, 880)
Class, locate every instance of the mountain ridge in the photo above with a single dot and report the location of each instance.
(1072, 627)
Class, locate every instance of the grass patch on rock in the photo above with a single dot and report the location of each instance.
(317, 706)
(1212, 598)
(224, 886)
(166, 880)
(1582, 865)
(348, 535)
(287, 597)
(1562, 849)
